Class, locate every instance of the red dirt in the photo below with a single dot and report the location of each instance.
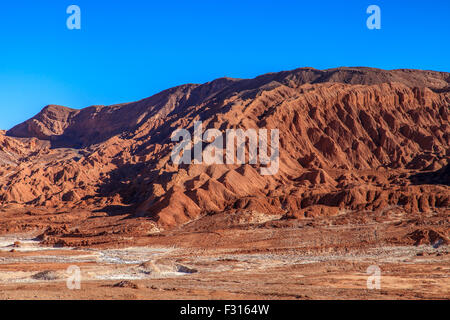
(357, 145)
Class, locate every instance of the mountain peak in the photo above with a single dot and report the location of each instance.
(75, 128)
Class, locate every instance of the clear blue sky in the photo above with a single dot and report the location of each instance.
(129, 50)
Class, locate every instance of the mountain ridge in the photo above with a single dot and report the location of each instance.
(41, 126)
(351, 139)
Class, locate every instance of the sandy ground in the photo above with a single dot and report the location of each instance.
(270, 260)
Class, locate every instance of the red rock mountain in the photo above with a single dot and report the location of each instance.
(357, 139)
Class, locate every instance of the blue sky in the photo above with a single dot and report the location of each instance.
(129, 50)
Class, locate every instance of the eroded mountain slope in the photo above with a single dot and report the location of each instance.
(351, 139)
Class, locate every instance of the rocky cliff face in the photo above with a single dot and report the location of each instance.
(357, 139)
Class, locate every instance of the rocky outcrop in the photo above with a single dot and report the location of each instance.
(350, 139)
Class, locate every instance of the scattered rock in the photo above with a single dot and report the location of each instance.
(47, 275)
(126, 284)
(165, 266)
(184, 269)
(428, 236)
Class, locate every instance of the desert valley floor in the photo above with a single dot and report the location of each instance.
(241, 257)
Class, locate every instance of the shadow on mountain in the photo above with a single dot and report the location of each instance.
(117, 210)
(441, 176)
(133, 183)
